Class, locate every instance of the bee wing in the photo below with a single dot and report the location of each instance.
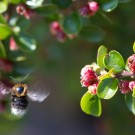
(38, 92)
(4, 90)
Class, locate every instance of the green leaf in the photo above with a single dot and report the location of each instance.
(25, 42)
(3, 6)
(15, 1)
(92, 33)
(124, 1)
(71, 24)
(114, 60)
(107, 88)
(134, 47)
(62, 3)
(133, 94)
(109, 5)
(48, 10)
(91, 104)
(102, 51)
(130, 102)
(5, 31)
(2, 19)
(2, 51)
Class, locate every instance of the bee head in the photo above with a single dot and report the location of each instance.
(20, 89)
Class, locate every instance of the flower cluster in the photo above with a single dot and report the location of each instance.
(131, 63)
(25, 11)
(89, 79)
(89, 9)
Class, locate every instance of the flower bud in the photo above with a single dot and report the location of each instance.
(12, 45)
(57, 31)
(89, 9)
(24, 10)
(124, 87)
(131, 85)
(93, 89)
(131, 63)
(88, 76)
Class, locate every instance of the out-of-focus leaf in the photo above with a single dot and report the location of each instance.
(5, 31)
(102, 51)
(133, 94)
(92, 33)
(15, 1)
(108, 5)
(134, 47)
(71, 24)
(91, 104)
(48, 10)
(130, 101)
(2, 19)
(124, 1)
(25, 42)
(3, 6)
(2, 51)
(114, 60)
(34, 3)
(62, 3)
(107, 88)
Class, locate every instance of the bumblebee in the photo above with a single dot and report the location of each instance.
(21, 93)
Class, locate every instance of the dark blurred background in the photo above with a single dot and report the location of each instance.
(59, 66)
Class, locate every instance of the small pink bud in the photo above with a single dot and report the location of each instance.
(94, 6)
(6, 65)
(89, 9)
(131, 63)
(12, 45)
(124, 87)
(88, 76)
(22, 9)
(131, 85)
(57, 31)
(93, 89)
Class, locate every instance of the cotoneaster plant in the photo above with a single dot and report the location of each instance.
(104, 78)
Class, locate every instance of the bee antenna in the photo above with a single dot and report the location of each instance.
(25, 77)
(13, 78)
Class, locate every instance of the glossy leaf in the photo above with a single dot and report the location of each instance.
(114, 60)
(91, 104)
(2, 51)
(5, 31)
(124, 1)
(134, 47)
(107, 88)
(109, 5)
(92, 33)
(130, 101)
(3, 6)
(25, 42)
(102, 51)
(62, 3)
(71, 24)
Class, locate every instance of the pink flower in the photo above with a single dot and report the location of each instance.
(88, 76)
(89, 9)
(124, 87)
(131, 63)
(22, 9)
(93, 89)
(12, 45)
(131, 85)
(57, 31)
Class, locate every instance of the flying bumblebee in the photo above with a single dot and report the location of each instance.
(20, 95)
